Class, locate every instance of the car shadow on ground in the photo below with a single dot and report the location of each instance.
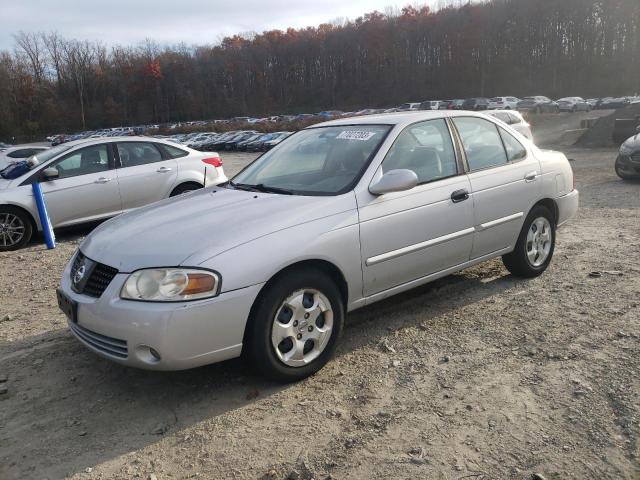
(93, 410)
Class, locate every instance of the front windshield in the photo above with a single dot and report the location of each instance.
(316, 161)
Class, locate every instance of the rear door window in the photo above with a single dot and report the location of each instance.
(481, 141)
(133, 154)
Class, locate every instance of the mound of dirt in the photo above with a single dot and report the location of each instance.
(601, 134)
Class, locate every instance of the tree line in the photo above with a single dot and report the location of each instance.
(51, 84)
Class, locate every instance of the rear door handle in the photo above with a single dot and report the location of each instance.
(163, 170)
(102, 180)
(459, 195)
(531, 176)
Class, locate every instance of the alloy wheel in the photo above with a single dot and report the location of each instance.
(12, 229)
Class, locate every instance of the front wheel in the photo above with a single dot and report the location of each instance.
(295, 325)
(15, 228)
(535, 245)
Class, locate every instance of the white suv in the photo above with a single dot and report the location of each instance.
(90, 180)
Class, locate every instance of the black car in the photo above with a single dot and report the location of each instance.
(479, 103)
(628, 161)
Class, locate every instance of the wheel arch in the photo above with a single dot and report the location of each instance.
(34, 223)
(551, 205)
(324, 266)
(183, 183)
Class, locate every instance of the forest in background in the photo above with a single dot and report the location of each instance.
(51, 84)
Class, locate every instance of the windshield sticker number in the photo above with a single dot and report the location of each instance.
(355, 135)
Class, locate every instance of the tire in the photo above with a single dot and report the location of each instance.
(185, 188)
(272, 310)
(16, 228)
(523, 261)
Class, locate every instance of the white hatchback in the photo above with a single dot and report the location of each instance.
(91, 180)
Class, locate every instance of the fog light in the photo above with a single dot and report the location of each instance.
(148, 354)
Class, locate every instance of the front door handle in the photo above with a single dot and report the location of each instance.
(531, 176)
(163, 170)
(459, 195)
(102, 180)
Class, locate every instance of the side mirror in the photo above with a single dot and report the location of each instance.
(50, 173)
(394, 181)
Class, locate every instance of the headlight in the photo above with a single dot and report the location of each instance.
(625, 150)
(170, 285)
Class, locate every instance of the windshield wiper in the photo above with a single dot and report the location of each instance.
(260, 187)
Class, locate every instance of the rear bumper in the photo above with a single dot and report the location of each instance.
(567, 206)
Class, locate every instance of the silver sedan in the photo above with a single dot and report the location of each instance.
(90, 180)
(337, 216)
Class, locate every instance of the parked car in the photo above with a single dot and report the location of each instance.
(476, 104)
(628, 162)
(538, 104)
(594, 102)
(515, 120)
(430, 105)
(409, 106)
(336, 217)
(457, 104)
(92, 180)
(278, 138)
(503, 103)
(15, 154)
(573, 104)
(614, 103)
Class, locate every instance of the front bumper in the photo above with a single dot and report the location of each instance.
(627, 165)
(184, 334)
(567, 206)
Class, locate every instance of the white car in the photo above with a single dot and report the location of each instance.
(15, 154)
(503, 103)
(90, 180)
(515, 120)
(409, 106)
(430, 105)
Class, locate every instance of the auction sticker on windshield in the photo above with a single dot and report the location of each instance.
(355, 135)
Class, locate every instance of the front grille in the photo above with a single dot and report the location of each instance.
(96, 278)
(108, 345)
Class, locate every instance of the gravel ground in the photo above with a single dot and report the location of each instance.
(477, 376)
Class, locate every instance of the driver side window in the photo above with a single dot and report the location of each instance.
(87, 160)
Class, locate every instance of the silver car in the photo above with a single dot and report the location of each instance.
(90, 180)
(336, 217)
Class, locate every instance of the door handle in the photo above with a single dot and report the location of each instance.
(531, 176)
(102, 180)
(163, 170)
(459, 195)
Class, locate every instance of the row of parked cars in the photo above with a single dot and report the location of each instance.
(239, 140)
(535, 104)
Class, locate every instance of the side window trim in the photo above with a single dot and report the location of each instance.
(517, 160)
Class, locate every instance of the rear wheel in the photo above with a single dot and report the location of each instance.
(185, 188)
(295, 325)
(15, 228)
(535, 245)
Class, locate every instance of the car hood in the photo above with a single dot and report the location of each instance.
(202, 224)
(4, 183)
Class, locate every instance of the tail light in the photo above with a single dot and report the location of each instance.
(215, 161)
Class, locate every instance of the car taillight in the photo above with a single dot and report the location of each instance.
(215, 161)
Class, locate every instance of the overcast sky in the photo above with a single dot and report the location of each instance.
(174, 21)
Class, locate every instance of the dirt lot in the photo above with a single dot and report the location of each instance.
(477, 376)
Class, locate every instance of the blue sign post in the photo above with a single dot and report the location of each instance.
(49, 237)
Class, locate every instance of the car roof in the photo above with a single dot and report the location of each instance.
(397, 118)
(126, 138)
